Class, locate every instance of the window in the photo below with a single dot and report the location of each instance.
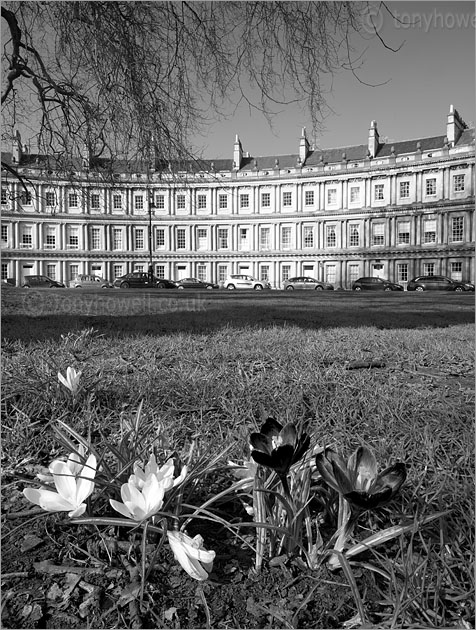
(402, 272)
(117, 271)
(430, 186)
(457, 271)
(458, 183)
(222, 273)
(138, 202)
(181, 202)
(428, 269)
(264, 273)
(309, 198)
(201, 202)
(181, 240)
(160, 238)
(331, 274)
(332, 196)
(73, 271)
(287, 198)
(117, 202)
(331, 239)
(378, 192)
(117, 238)
(160, 202)
(222, 201)
(50, 199)
(95, 201)
(403, 231)
(354, 236)
(73, 200)
(139, 238)
(286, 237)
(265, 238)
(429, 231)
(4, 271)
(73, 238)
(244, 201)
(378, 234)
(50, 237)
(244, 238)
(139, 268)
(354, 194)
(308, 236)
(285, 272)
(4, 196)
(265, 200)
(26, 198)
(160, 271)
(222, 238)
(201, 238)
(26, 237)
(51, 271)
(457, 229)
(4, 233)
(95, 238)
(353, 272)
(404, 190)
(202, 272)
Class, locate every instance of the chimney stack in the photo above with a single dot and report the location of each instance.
(373, 139)
(454, 126)
(17, 150)
(303, 147)
(237, 154)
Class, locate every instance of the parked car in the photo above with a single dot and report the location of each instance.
(90, 281)
(162, 283)
(375, 284)
(41, 282)
(304, 282)
(438, 283)
(195, 283)
(135, 280)
(242, 281)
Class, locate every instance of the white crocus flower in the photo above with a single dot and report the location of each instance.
(164, 474)
(71, 381)
(189, 552)
(73, 482)
(73, 462)
(142, 502)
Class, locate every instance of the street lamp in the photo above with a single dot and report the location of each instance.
(151, 205)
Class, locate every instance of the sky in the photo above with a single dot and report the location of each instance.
(434, 68)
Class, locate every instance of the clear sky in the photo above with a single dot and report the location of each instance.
(434, 68)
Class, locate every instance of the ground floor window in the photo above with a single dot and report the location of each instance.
(457, 271)
(117, 271)
(264, 273)
(51, 271)
(285, 271)
(139, 268)
(202, 272)
(402, 272)
(353, 272)
(4, 271)
(73, 271)
(331, 274)
(428, 269)
(222, 273)
(160, 271)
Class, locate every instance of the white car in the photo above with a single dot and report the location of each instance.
(242, 281)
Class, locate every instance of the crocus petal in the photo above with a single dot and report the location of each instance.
(153, 493)
(365, 501)
(264, 459)
(183, 473)
(301, 447)
(62, 380)
(121, 508)
(392, 477)
(133, 497)
(271, 428)
(48, 500)
(324, 461)
(64, 481)
(261, 442)
(289, 434)
(79, 511)
(342, 478)
(188, 556)
(85, 484)
(362, 466)
(282, 458)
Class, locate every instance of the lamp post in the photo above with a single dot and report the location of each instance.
(151, 205)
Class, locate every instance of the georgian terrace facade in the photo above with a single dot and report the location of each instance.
(394, 210)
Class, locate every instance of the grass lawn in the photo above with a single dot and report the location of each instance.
(406, 392)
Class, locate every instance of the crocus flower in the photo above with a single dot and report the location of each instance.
(190, 554)
(278, 447)
(71, 381)
(164, 474)
(73, 482)
(140, 503)
(358, 480)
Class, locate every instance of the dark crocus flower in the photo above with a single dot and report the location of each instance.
(358, 480)
(278, 447)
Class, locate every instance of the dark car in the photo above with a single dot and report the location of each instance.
(438, 283)
(162, 283)
(195, 283)
(136, 280)
(375, 284)
(41, 282)
(304, 282)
